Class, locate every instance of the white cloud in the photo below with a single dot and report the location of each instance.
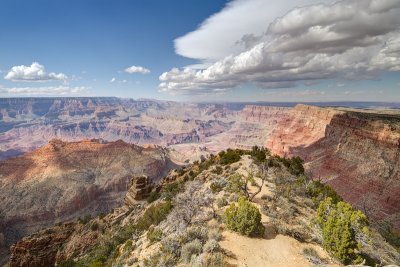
(236, 28)
(112, 80)
(137, 69)
(32, 73)
(349, 39)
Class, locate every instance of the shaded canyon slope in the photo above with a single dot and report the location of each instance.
(66, 180)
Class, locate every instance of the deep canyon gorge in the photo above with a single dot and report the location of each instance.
(64, 157)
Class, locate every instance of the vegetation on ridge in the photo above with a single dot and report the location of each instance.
(196, 205)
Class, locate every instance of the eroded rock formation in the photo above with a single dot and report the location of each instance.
(62, 181)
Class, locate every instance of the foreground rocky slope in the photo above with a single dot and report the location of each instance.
(63, 181)
(184, 225)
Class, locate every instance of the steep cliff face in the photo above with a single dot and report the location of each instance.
(301, 127)
(269, 115)
(62, 181)
(253, 125)
(357, 153)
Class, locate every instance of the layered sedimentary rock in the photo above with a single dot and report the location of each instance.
(139, 189)
(28, 123)
(354, 152)
(62, 181)
(302, 126)
(357, 153)
(41, 248)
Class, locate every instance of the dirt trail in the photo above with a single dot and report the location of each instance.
(272, 250)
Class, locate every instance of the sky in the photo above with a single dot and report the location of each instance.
(238, 50)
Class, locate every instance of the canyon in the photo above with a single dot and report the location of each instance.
(66, 180)
(356, 151)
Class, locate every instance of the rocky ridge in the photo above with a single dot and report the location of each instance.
(76, 244)
(63, 181)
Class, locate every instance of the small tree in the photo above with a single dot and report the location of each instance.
(244, 218)
(239, 183)
(341, 227)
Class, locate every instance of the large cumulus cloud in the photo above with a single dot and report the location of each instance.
(348, 39)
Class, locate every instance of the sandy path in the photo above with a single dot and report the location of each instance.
(272, 250)
(280, 251)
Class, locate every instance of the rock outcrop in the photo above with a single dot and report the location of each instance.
(139, 189)
(41, 248)
(65, 180)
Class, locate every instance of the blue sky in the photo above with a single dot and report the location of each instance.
(199, 50)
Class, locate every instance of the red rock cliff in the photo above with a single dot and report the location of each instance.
(357, 153)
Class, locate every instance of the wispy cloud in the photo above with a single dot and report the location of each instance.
(137, 69)
(349, 40)
(235, 29)
(33, 73)
(112, 80)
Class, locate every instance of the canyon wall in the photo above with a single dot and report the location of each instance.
(28, 123)
(358, 154)
(65, 180)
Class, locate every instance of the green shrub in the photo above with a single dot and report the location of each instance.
(318, 191)
(211, 246)
(195, 232)
(236, 183)
(215, 233)
(153, 196)
(153, 215)
(218, 185)
(244, 218)
(214, 260)
(171, 245)
(189, 249)
(340, 224)
(218, 170)
(259, 153)
(230, 156)
(154, 235)
(169, 191)
(294, 165)
(128, 245)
